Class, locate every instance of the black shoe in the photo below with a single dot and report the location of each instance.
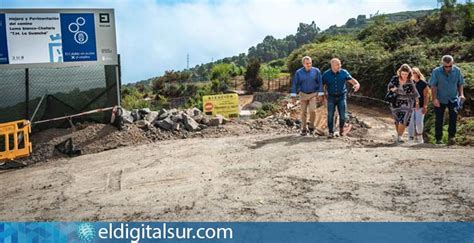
(451, 141)
(304, 132)
(331, 135)
(439, 142)
(311, 131)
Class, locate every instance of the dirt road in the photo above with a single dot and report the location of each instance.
(258, 177)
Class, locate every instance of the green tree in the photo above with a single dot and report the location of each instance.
(218, 86)
(467, 12)
(352, 22)
(222, 71)
(448, 15)
(268, 72)
(361, 19)
(253, 81)
(306, 33)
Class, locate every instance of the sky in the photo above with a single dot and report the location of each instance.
(156, 35)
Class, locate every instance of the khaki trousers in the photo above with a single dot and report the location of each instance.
(308, 102)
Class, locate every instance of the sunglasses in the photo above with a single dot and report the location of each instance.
(450, 66)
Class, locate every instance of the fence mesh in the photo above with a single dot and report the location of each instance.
(44, 93)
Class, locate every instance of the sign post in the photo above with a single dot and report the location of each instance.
(226, 105)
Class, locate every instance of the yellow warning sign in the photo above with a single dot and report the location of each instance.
(226, 105)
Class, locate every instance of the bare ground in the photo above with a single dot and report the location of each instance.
(251, 177)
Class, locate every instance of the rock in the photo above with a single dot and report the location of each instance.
(198, 118)
(165, 124)
(204, 120)
(281, 121)
(144, 111)
(162, 111)
(253, 106)
(224, 120)
(216, 121)
(174, 111)
(289, 122)
(194, 112)
(127, 116)
(136, 115)
(163, 115)
(177, 117)
(189, 123)
(177, 126)
(151, 117)
(202, 126)
(142, 123)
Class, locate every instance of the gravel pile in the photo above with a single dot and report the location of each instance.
(146, 126)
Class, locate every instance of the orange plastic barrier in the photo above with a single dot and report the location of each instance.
(15, 140)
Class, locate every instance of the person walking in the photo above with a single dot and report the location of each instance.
(335, 81)
(447, 87)
(308, 82)
(415, 128)
(403, 89)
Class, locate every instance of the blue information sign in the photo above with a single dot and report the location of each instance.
(78, 37)
(3, 40)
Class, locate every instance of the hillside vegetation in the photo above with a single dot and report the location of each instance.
(372, 49)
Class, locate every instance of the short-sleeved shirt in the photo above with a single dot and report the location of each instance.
(447, 83)
(420, 87)
(336, 82)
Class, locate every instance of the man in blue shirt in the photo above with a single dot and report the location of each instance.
(308, 82)
(447, 89)
(335, 80)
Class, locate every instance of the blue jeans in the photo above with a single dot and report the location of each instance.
(416, 123)
(338, 102)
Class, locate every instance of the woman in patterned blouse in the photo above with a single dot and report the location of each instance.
(406, 98)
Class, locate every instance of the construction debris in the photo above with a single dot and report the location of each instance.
(173, 120)
(145, 126)
(67, 147)
(11, 164)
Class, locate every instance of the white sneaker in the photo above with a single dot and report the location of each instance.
(420, 139)
(411, 140)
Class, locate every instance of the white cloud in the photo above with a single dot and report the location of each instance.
(153, 37)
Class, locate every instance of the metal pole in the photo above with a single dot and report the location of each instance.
(37, 108)
(119, 78)
(27, 94)
(118, 85)
(187, 61)
(75, 115)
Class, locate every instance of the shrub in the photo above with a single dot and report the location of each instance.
(364, 61)
(131, 102)
(253, 81)
(267, 109)
(222, 71)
